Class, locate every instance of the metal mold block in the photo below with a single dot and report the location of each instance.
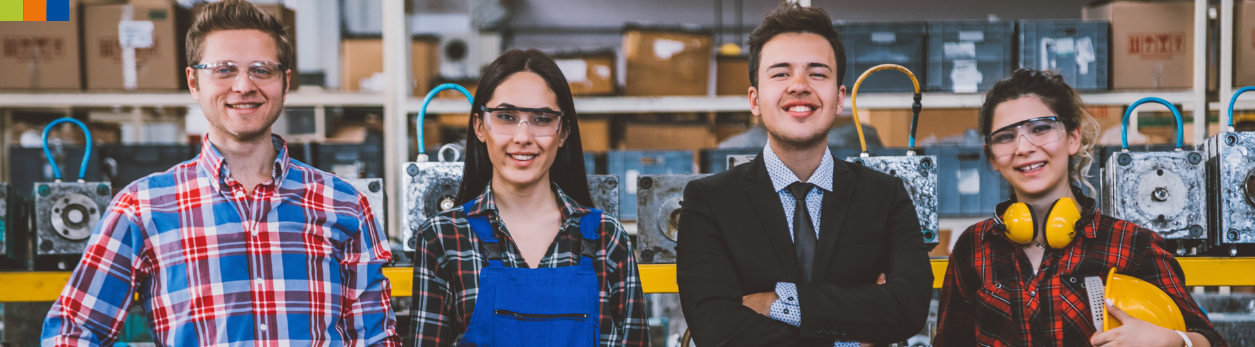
(659, 198)
(372, 188)
(605, 192)
(1231, 176)
(66, 214)
(430, 188)
(1159, 191)
(919, 175)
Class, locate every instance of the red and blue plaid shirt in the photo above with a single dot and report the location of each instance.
(991, 297)
(296, 263)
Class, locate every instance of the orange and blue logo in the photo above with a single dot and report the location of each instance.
(34, 10)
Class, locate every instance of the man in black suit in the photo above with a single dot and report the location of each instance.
(786, 250)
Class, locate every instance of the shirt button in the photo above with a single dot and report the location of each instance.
(786, 311)
(790, 298)
(262, 327)
(1032, 293)
(258, 281)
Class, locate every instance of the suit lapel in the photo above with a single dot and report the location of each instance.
(832, 216)
(766, 203)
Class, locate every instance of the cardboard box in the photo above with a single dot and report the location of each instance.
(41, 55)
(1244, 44)
(688, 136)
(594, 134)
(361, 64)
(667, 62)
(935, 125)
(288, 17)
(159, 67)
(732, 75)
(1152, 43)
(589, 73)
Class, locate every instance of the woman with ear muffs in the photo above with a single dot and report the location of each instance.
(1018, 279)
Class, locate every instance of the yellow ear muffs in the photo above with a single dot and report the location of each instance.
(1061, 223)
(1019, 221)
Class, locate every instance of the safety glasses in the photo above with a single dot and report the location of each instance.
(1038, 131)
(225, 72)
(506, 120)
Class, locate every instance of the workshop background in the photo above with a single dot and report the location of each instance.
(661, 88)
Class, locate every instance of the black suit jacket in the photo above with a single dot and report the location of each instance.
(734, 241)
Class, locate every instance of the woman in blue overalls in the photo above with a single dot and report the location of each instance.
(525, 259)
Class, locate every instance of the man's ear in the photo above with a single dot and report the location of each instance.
(192, 83)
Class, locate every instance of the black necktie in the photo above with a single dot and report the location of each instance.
(803, 231)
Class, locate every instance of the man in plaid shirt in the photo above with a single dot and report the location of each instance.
(243, 245)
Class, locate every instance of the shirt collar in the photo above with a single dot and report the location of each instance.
(213, 162)
(782, 176)
(1088, 222)
(485, 203)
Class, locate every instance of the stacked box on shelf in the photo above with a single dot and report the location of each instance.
(160, 66)
(124, 164)
(42, 56)
(667, 61)
(968, 56)
(1152, 42)
(589, 73)
(628, 165)
(868, 44)
(732, 75)
(968, 186)
(1077, 50)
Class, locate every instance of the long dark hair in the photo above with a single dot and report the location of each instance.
(1061, 99)
(568, 168)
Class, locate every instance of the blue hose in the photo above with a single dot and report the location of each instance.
(1124, 125)
(82, 169)
(1234, 100)
(422, 112)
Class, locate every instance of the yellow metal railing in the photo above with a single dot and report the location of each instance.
(655, 278)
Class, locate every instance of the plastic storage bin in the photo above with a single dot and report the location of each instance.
(631, 164)
(967, 185)
(590, 163)
(349, 160)
(1078, 50)
(715, 160)
(969, 56)
(868, 44)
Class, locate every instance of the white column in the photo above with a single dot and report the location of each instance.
(396, 67)
(1200, 71)
(1226, 60)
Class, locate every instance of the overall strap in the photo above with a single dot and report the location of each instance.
(482, 227)
(589, 224)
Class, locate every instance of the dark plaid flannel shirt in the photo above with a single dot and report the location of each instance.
(449, 257)
(992, 298)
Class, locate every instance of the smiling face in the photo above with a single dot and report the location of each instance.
(1034, 171)
(798, 95)
(521, 159)
(240, 108)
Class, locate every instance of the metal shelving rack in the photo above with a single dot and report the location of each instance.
(398, 102)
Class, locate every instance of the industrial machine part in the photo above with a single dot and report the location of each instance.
(1231, 183)
(918, 172)
(66, 213)
(1158, 190)
(658, 200)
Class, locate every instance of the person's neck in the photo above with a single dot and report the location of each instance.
(801, 160)
(516, 198)
(251, 160)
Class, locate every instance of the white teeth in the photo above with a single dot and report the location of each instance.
(1031, 167)
(243, 106)
(521, 157)
(800, 108)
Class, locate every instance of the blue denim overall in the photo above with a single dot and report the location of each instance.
(536, 307)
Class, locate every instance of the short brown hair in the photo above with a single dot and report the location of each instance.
(790, 17)
(236, 15)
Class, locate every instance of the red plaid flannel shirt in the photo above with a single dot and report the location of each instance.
(992, 298)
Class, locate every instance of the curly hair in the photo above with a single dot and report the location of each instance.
(1061, 99)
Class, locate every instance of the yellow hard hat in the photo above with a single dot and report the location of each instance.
(730, 49)
(1141, 300)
